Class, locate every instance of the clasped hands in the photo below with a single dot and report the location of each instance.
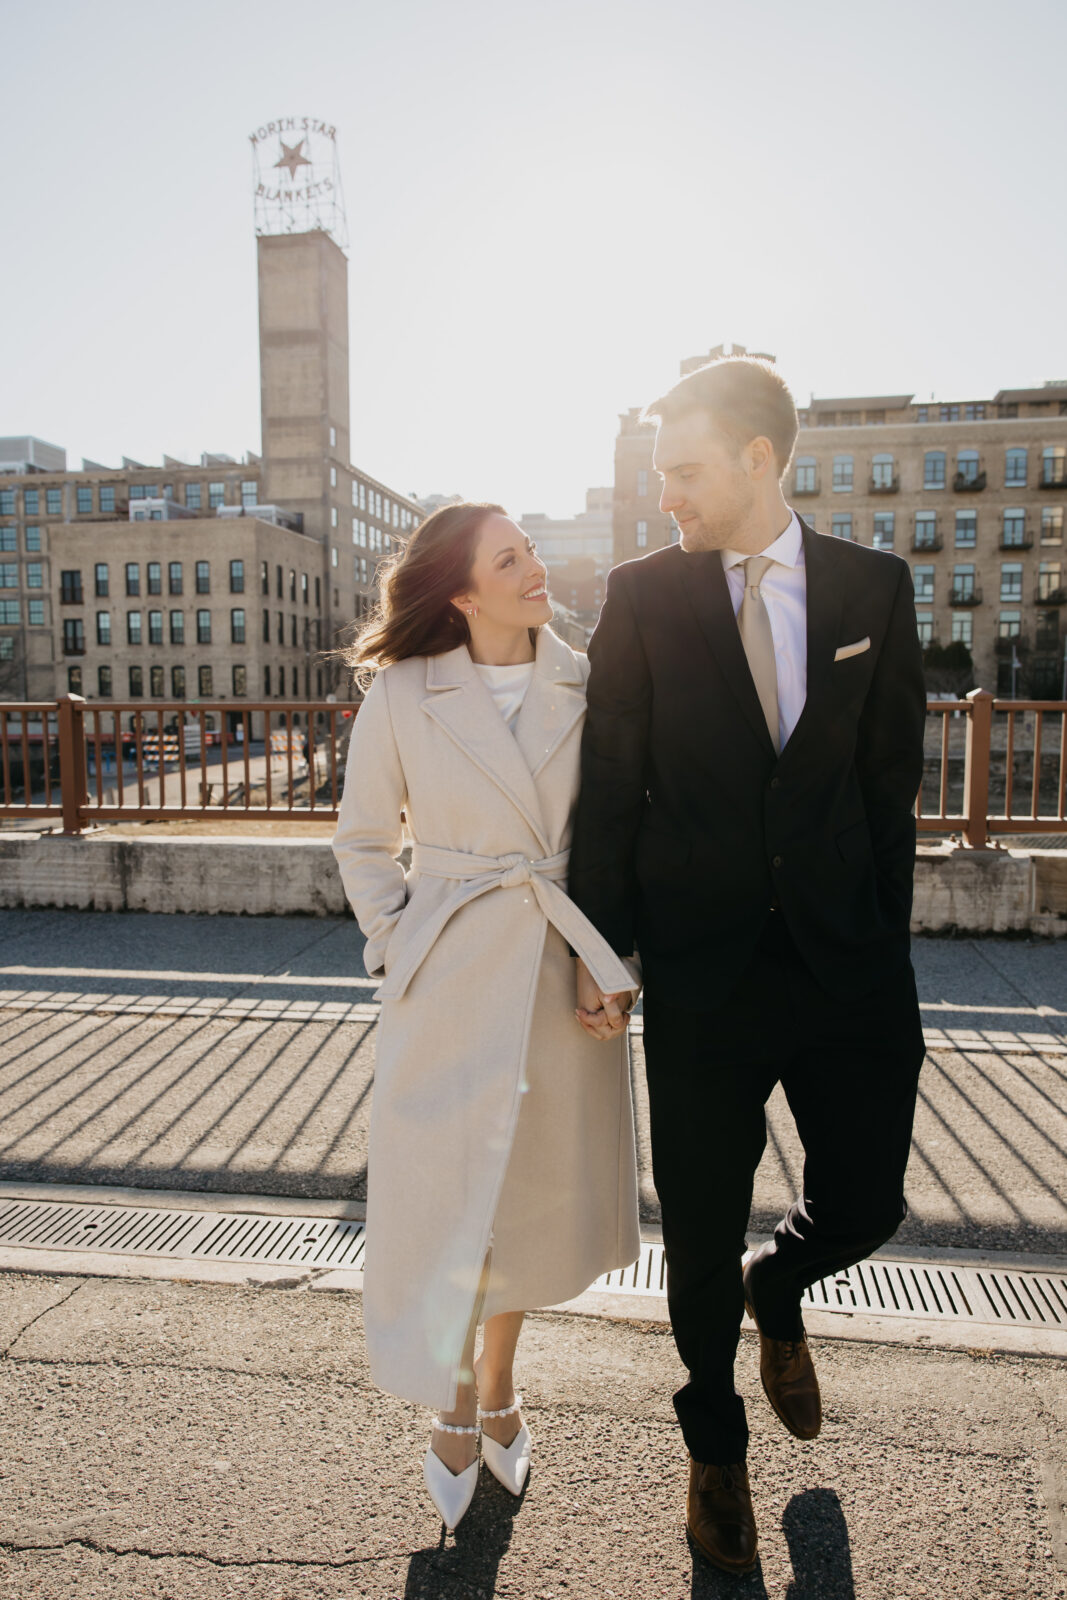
(601, 1015)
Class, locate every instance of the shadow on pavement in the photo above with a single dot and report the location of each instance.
(473, 1560)
(817, 1535)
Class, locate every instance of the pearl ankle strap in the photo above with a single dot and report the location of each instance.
(452, 1427)
(505, 1411)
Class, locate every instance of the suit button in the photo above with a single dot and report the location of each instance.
(776, 783)
(777, 861)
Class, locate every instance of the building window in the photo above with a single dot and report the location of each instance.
(36, 611)
(924, 585)
(1011, 580)
(31, 502)
(177, 683)
(53, 499)
(84, 498)
(249, 493)
(1049, 579)
(237, 626)
(100, 575)
(842, 473)
(1052, 525)
(264, 578)
(9, 539)
(266, 682)
(642, 535)
(204, 683)
(841, 525)
(133, 627)
(174, 577)
(103, 627)
(333, 558)
(266, 626)
(237, 577)
(974, 413)
(304, 587)
(804, 482)
(192, 496)
(7, 647)
(34, 575)
(10, 611)
(216, 495)
(882, 472)
(144, 491)
(1054, 464)
(155, 627)
(1009, 625)
(203, 577)
(133, 578)
(1014, 529)
(70, 584)
(1014, 468)
(74, 680)
(642, 482)
(239, 679)
(962, 583)
(967, 465)
(155, 682)
(279, 587)
(281, 681)
(963, 628)
(924, 622)
(966, 529)
(203, 626)
(33, 538)
(107, 501)
(925, 530)
(9, 579)
(934, 469)
(73, 636)
(333, 477)
(177, 627)
(333, 437)
(154, 584)
(883, 529)
(292, 630)
(103, 682)
(318, 594)
(950, 413)
(136, 680)
(280, 631)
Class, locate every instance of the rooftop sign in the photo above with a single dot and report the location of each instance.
(296, 178)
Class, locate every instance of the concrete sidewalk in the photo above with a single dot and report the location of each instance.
(189, 1442)
(237, 1055)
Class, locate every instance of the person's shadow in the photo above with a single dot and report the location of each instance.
(470, 1560)
(817, 1535)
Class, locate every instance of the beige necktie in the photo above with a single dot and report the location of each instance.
(756, 636)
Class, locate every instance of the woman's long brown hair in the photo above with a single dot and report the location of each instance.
(416, 616)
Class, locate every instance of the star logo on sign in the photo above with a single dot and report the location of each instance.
(291, 157)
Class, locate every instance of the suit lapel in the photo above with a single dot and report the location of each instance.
(823, 605)
(701, 578)
(554, 702)
(459, 702)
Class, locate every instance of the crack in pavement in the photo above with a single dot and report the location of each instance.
(6, 1352)
(200, 1555)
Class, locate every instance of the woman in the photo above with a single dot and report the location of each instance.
(501, 1171)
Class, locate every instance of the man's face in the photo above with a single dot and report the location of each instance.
(706, 488)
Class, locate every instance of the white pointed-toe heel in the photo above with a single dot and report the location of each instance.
(451, 1492)
(510, 1463)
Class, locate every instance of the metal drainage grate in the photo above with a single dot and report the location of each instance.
(900, 1289)
(185, 1235)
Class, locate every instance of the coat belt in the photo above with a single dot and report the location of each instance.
(476, 875)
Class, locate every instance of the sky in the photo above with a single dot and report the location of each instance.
(549, 206)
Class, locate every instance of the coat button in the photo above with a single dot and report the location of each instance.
(777, 861)
(776, 783)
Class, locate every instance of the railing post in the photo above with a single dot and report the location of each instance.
(73, 779)
(976, 771)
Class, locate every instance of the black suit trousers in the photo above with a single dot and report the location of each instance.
(850, 1073)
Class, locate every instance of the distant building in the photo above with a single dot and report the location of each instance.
(300, 519)
(578, 553)
(971, 492)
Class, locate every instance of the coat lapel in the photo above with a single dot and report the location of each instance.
(700, 576)
(554, 702)
(459, 702)
(823, 603)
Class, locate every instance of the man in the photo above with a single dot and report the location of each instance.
(751, 755)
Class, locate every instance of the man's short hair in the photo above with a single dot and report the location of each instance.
(746, 398)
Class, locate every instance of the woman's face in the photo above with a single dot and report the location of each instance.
(508, 582)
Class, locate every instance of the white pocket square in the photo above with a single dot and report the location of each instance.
(846, 650)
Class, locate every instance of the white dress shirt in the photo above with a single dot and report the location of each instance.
(784, 588)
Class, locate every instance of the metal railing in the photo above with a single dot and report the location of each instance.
(125, 761)
(992, 767)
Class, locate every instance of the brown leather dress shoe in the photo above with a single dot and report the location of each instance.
(719, 1515)
(789, 1381)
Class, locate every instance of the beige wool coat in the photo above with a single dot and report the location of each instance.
(497, 1125)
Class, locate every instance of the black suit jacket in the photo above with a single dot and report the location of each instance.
(689, 826)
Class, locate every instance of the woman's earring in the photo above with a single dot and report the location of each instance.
(472, 611)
